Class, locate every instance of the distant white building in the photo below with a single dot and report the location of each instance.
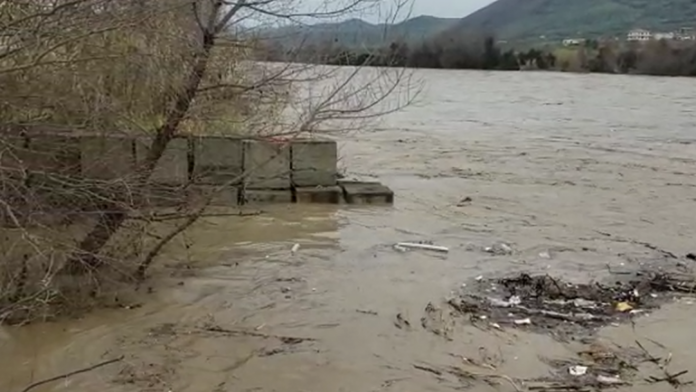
(573, 41)
(686, 34)
(639, 35)
(667, 36)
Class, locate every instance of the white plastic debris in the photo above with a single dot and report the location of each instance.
(607, 380)
(498, 249)
(399, 248)
(514, 300)
(496, 326)
(577, 370)
(545, 255)
(295, 248)
(479, 278)
(583, 303)
(413, 245)
(526, 321)
(499, 303)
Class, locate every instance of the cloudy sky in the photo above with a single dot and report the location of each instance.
(447, 8)
(374, 11)
(383, 9)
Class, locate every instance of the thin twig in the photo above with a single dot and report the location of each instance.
(73, 373)
(284, 339)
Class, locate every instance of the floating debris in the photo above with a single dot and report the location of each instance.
(401, 322)
(499, 249)
(400, 248)
(418, 245)
(465, 201)
(577, 370)
(526, 321)
(546, 304)
(609, 380)
(623, 307)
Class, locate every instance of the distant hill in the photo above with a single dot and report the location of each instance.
(517, 21)
(356, 32)
(558, 19)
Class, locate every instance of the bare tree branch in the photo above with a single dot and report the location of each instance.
(156, 71)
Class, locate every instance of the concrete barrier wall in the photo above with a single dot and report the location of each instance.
(250, 170)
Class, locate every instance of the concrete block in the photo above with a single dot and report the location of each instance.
(173, 166)
(53, 154)
(320, 194)
(217, 160)
(357, 192)
(265, 196)
(267, 165)
(225, 197)
(314, 162)
(107, 158)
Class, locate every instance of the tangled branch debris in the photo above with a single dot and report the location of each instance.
(547, 304)
(596, 368)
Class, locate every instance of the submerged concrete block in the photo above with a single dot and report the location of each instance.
(52, 154)
(314, 162)
(218, 160)
(107, 158)
(265, 196)
(357, 192)
(227, 196)
(266, 164)
(173, 167)
(320, 194)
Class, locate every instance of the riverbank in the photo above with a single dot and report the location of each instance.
(657, 58)
(550, 164)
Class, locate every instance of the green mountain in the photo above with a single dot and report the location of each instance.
(558, 19)
(356, 32)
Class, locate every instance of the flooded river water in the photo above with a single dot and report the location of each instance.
(552, 163)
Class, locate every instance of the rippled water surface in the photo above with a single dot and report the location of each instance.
(550, 161)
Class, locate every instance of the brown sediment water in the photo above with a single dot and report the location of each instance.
(551, 162)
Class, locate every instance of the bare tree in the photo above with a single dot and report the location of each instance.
(160, 69)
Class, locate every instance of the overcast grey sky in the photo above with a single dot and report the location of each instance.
(448, 8)
(374, 11)
(384, 9)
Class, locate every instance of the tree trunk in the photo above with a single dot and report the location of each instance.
(86, 256)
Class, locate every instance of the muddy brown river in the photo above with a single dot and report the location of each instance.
(552, 163)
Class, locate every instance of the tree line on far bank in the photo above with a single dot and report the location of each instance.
(658, 58)
(669, 58)
(442, 52)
